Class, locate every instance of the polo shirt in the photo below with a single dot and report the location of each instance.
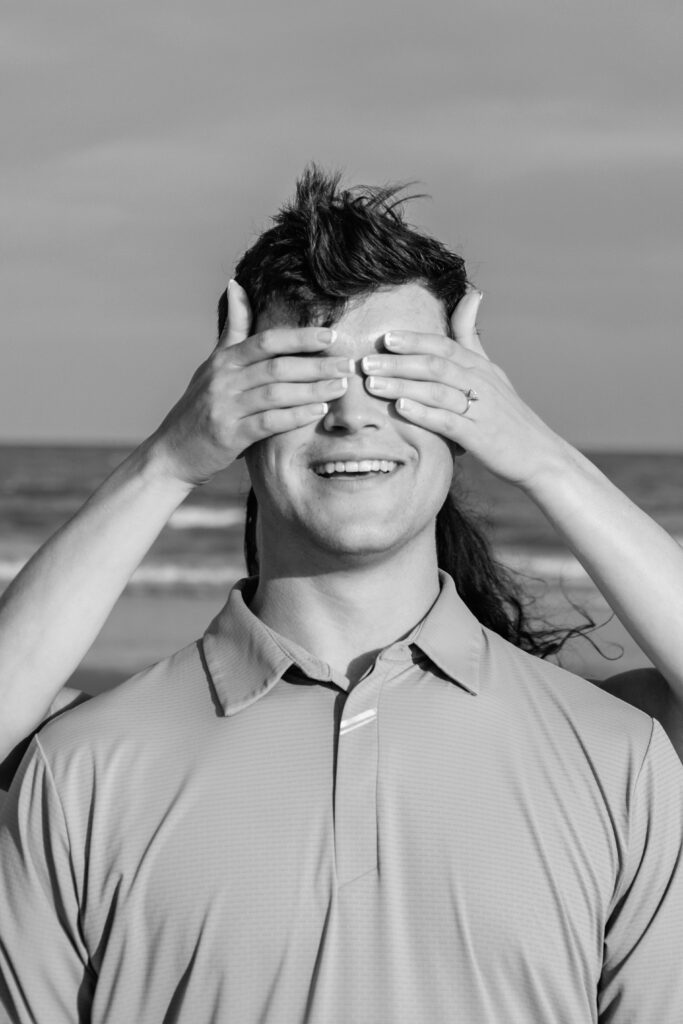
(468, 834)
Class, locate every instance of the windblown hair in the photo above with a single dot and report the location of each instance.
(327, 247)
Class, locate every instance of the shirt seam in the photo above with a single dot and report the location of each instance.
(53, 783)
(621, 885)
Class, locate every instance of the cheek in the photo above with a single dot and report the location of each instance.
(273, 463)
(434, 451)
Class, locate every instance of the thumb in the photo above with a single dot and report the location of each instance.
(238, 320)
(464, 321)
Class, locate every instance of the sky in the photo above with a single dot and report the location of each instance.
(146, 144)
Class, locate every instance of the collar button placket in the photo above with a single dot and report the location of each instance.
(355, 800)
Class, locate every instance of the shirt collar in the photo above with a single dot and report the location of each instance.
(245, 658)
(451, 636)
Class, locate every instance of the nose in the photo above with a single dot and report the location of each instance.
(356, 410)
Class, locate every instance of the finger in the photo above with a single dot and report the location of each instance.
(418, 367)
(432, 393)
(281, 341)
(278, 421)
(294, 368)
(464, 322)
(448, 424)
(414, 342)
(238, 321)
(283, 396)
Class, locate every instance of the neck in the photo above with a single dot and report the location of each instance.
(344, 615)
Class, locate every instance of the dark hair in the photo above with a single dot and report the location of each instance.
(330, 245)
(327, 246)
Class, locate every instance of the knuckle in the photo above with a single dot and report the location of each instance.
(275, 368)
(442, 421)
(264, 341)
(272, 393)
(435, 365)
(302, 414)
(213, 389)
(266, 421)
(215, 424)
(439, 393)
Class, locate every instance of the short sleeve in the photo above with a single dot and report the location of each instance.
(44, 974)
(642, 976)
(66, 699)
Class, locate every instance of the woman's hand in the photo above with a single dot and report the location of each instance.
(429, 377)
(249, 388)
(635, 564)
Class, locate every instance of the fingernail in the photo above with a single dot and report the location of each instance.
(338, 382)
(370, 363)
(392, 341)
(345, 365)
(321, 410)
(326, 335)
(403, 404)
(377, 383)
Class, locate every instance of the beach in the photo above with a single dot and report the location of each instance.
(185, 578)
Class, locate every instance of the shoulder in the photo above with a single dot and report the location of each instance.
(644, 688)
(648, 690)
(130, 711)
(66, 699)
(574, 713)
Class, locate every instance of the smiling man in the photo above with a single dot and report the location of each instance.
(358, 798)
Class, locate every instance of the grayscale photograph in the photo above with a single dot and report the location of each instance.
(341, 513)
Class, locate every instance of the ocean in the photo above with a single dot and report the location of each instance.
(201, 548)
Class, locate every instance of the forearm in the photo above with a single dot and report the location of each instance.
(635, 564)
(54, 609)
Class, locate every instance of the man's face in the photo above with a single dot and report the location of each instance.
(307, 507)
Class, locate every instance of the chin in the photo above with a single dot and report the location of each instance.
(356, 540)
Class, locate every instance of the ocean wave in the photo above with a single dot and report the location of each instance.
(554, 567)
(162, 575)
(193, 577)
(205, 517)
(547, 565)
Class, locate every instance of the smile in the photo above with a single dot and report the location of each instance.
(364, 467)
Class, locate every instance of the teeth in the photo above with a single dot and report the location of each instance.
(363, 466)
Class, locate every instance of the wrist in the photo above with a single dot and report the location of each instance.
(557, 465)
(562, 473)
(155, 467)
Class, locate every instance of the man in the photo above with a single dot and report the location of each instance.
(350, 801)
